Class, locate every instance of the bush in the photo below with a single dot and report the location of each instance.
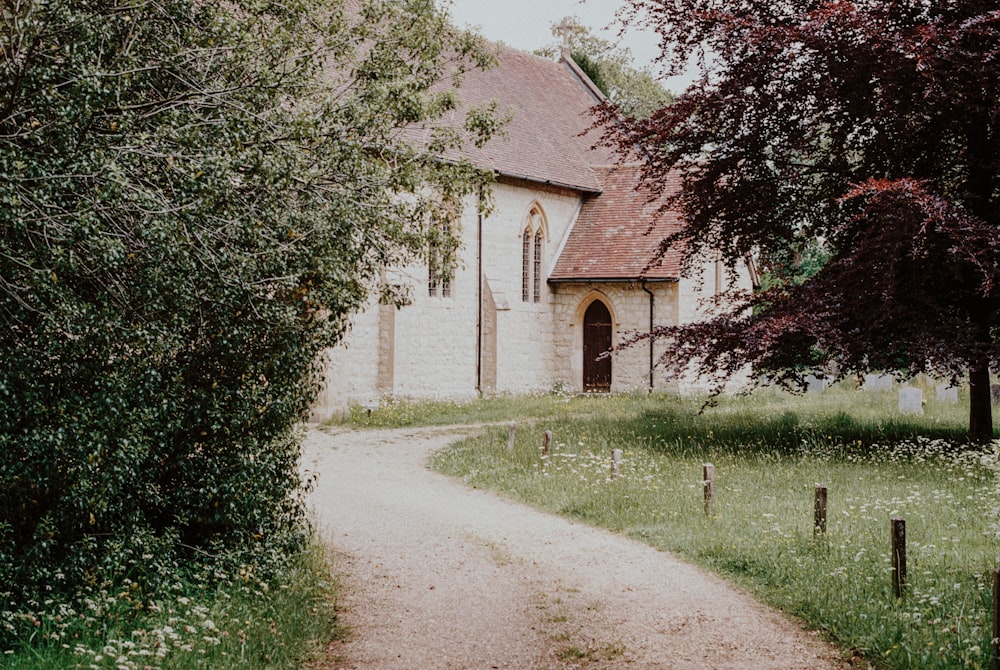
(191, 203)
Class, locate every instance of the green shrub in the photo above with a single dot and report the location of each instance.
(190, 207)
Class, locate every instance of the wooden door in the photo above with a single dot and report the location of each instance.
(596, 341)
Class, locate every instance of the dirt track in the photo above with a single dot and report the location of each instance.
(437, 575)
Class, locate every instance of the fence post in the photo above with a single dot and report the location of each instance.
(899, 557)
(546, 446)
(708, 481)
(512, 431)
(616, 459)
(819, 515)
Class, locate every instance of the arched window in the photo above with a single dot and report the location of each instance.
(532, 255)
(537, 285)
(526, 265)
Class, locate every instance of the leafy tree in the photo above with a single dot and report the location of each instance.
(869, 125)
(635, 91)
(193, 197)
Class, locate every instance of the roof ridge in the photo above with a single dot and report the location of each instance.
(567, 60)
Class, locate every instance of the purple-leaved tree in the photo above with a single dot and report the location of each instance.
(871, 128)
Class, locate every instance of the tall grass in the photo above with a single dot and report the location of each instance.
(398, 413)
(770, 451)
(238, 623)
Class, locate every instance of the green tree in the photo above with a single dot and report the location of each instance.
(194, 195)
(634, 91)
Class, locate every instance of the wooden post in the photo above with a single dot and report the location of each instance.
(899, 557)
(546, 446)
(510, 435)
(819, 516)
(996, 620)
(616, 455)
(708, 481)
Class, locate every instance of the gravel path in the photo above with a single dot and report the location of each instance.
(438, 575)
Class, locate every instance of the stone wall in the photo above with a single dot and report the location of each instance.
(352, 368)
(433, 348)
(435, 345)
(524, 329)
(629, 306)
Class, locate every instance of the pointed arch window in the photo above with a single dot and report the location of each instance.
(526, 265)
(533, 255)
(537, 283)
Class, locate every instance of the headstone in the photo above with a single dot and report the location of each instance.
(946, 393)
(878, 382)
(911, 401)
(995, 392)
(816, 384)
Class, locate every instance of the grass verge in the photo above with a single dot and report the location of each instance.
(242, 623)
(770, 451)
(395, 413)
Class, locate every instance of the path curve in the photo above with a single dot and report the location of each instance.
(438, 575)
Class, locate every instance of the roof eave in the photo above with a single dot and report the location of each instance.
(611, 280)
(591, 190)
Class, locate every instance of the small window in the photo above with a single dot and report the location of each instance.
(438, 275)
(537, 285)
(526, 265)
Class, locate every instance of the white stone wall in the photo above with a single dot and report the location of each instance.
(435, 337)
(525, 330)
(434, 347)
(352, 367)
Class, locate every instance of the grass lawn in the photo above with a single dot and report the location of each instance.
(243, 623)
(770, 450)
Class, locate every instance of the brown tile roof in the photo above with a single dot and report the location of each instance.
(550, 107)
(617, 234)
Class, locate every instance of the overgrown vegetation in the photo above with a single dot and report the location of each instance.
(770, 451)
(397, 413)
(193, 197)
(202, 620)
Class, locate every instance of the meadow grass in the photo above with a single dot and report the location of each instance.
(770, 450)
(240, 623)
(399, 413)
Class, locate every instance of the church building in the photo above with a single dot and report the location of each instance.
(562, 269)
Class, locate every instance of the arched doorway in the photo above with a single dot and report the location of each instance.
(596, 341)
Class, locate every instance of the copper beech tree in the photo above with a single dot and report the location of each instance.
(871, 129)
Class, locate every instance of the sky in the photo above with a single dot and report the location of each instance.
(525, 24)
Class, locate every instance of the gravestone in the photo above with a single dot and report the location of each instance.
(911, 401)
(816, 384)
(880, 382)
(946, 393)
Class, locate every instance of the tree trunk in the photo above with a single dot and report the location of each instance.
(981, 185)
(980, 407)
